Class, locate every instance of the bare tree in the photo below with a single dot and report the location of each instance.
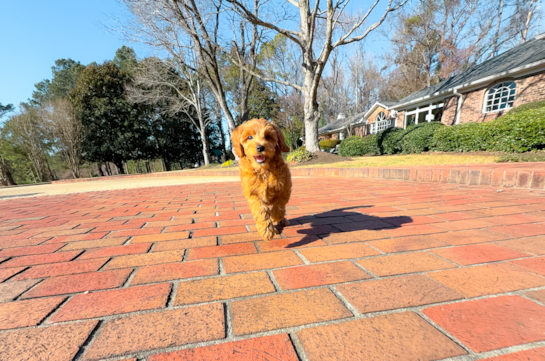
(524, 18)
(366, 79)
(175, 26)
(515, 19)
(325, 21)
(28, 134)
(176, 89)
(335, 91)
(6, 176)
(67, 130)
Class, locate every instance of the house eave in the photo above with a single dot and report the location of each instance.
(527, 69)
(375, 106)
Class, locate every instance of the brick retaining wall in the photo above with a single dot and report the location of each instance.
(521, 175)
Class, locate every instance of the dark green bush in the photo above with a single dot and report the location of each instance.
(520, 130)
(461, 138)
(529, 106)
(418, 137)
(329, 143)
(389, 140)
(357, 146)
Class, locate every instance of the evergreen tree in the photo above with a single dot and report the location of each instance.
(65, 76)
(115, 129)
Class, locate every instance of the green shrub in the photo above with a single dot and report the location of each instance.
(300, 155)
(357, 146)
(418, 137)
(389, 140)
(461, 138)
(529, 106)
(329, 143)
(520, 130)
(228, 163)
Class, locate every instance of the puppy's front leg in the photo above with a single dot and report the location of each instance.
(278, 213)
(262, 218)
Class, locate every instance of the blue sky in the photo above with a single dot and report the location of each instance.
(35, 33)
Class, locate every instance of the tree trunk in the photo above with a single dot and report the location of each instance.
(528, 21)
(100, 171)
(312, 115)
(205, 154)
(6, 177)
(228, 116)
(9, 178)
(119, 165)
(497, 34)
(108, 168)
(243, 106)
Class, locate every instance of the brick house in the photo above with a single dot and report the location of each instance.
(482, 93)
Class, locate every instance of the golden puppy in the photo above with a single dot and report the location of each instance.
(266, 179)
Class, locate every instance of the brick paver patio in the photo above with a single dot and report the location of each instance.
(368, 270)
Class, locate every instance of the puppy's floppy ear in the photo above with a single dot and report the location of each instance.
(281, 145)
(235, 141)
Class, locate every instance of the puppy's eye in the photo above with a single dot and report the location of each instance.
(250, 137)
(268, 137)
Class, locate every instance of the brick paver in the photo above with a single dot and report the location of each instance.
(489, 324)
(369, 269)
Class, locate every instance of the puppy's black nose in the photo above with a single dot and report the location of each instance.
(260, 148)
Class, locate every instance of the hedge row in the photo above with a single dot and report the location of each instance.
(415, 139)
(520, 130)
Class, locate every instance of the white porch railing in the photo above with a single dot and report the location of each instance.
(380, 125)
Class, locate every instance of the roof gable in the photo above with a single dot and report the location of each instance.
(530, 53)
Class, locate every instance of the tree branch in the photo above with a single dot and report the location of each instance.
(345, 40)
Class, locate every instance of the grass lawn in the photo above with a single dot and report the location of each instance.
(409, 159)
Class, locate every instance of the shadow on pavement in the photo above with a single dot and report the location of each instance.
(340, 220)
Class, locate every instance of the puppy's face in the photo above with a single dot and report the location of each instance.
(258, 141)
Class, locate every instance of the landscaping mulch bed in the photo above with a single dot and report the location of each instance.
(324, 158)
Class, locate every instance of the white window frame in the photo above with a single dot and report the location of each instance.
(381, 123)
(497, 89)
(426, 108)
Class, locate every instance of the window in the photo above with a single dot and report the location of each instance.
(381, 123)
(500, 96)
(424, 113)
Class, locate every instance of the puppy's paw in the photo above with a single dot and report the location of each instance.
(269, 232)
(284, 222)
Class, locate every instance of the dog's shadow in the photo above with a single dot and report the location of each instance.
(339, 220)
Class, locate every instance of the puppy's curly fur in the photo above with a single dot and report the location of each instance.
(266, 179)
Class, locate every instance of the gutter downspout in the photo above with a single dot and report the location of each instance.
(458, 105)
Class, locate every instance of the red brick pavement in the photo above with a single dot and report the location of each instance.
(367, 270)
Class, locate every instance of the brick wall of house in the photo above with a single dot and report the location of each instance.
(360, 131)
(449, 110)
(400, 120)
(529, 89)
(373, 117)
